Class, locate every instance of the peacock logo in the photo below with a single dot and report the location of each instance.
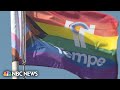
(7, 73)
(78, 29)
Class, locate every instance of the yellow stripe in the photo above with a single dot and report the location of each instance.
(56, 30)
(108, 43)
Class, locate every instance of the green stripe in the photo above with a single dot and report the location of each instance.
(69, 46)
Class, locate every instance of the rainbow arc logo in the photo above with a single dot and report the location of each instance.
(78, 29)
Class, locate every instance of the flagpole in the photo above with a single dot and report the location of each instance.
(15, 66)
(23, 39)
(15, 62)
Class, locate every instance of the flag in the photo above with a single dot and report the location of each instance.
(82, 42)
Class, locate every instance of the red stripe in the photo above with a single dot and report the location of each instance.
(104, 23)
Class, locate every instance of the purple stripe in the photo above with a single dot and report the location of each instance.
(55, 61)
(44, 59)
(90, 72)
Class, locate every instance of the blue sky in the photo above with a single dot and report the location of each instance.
(44, 72)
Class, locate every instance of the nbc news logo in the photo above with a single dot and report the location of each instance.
(20, 73)
(7, 73)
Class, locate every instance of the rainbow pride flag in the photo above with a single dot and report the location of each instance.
(82, 42)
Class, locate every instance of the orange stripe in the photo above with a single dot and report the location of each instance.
(104, 23)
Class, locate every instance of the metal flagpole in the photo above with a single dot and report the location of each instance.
(15, 62)
(23, 41)
(18, 26)
(22, 22)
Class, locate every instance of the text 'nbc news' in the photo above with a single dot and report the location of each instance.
(21, 73)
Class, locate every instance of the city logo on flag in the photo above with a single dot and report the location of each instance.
(78, 29)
